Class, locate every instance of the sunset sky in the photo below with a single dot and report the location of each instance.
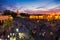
(30, 4)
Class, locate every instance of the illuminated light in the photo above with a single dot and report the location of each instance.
(11, 17)
(49, 17)
(36, 17)
(13, 34)
(56, 17)
(37, 20)
(10, 33)
(17, 30)
(40, 17)
(21, 35)
(8, 36)
(59, 17)
(14, 38)
(31, 17)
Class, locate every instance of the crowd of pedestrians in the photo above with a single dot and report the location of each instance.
(37, 29)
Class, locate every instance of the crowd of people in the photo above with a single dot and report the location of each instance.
(36, 29)
(41, 29)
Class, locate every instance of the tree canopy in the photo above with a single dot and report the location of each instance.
(8, 12)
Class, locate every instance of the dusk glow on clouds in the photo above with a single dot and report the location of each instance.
(44, 5)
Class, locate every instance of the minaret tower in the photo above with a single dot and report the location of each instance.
(17, 12)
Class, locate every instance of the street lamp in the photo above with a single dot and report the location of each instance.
(17, 30)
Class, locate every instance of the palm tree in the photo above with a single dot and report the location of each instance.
(7, 23)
